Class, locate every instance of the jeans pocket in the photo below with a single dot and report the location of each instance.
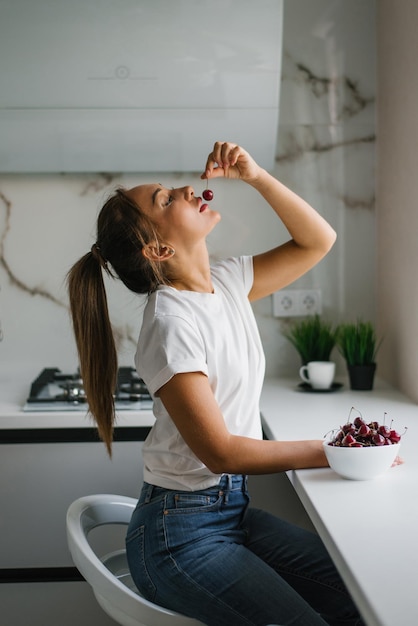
(194, 502)
(135, 552)
(188, 518)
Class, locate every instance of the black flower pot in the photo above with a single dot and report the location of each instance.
(362, 376)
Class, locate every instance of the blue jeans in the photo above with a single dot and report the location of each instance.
(207, 555)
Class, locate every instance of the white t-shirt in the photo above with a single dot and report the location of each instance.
(214, 333)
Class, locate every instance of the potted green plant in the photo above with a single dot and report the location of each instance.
(313, 338)
(358, 344)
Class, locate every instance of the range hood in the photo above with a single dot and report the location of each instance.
(136, 85)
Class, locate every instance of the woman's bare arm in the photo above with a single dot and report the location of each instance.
(191, 404)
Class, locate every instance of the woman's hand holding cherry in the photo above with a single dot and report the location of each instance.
(228, 160)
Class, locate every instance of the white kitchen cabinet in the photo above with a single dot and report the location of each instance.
(37, 484)
(136, 85)
(38, 481)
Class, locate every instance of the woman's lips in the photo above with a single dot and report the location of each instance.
(203, 206)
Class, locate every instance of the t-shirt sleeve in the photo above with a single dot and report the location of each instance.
(171, 346)
(247, 265)
(236, 272)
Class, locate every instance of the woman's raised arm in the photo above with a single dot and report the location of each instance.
(311, 235)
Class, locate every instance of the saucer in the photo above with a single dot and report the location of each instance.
(307, 388)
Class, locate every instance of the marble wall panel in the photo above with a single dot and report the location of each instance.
(326, 152)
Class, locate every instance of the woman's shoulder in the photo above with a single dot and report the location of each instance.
(167, 302)
(233, 269)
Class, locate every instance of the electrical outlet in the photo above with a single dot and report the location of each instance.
(297, 302)
(310, 302)
(285, 303)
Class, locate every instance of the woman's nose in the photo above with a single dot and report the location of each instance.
(188, 192)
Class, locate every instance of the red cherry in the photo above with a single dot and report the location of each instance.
(363, 430)
(208, 195)
(359, 421)
(394, 436)
(384, 430)
(378, 440)
(348, 440)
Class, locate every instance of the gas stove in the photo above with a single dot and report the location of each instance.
(54, 390)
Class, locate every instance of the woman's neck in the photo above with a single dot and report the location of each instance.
(191, 274)
(194, 281)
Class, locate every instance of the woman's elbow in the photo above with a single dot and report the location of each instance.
(328, 241)
(218, 460)
(218, 464)
(332, 240)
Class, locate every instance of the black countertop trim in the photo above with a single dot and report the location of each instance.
(69, 435)
(40, 575)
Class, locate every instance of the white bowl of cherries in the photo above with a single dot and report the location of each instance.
(362, 450)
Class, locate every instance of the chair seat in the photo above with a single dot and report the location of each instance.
(117, 564)
(109, 576)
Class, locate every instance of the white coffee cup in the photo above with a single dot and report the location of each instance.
(319, 374)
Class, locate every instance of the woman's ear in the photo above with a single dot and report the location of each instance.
(157, 252)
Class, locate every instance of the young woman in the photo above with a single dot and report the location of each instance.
(194, 545)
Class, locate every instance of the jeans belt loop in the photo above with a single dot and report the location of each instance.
(148, 494)
(228, 487)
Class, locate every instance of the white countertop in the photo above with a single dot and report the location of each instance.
(369, 527)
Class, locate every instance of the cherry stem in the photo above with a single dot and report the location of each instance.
(353, 408)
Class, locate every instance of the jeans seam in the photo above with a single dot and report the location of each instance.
(306, 576)
(196, 584)
(215, 599)
(136, 538)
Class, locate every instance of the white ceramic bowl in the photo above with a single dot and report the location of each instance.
(361, 463)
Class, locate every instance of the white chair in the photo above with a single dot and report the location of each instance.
(109, 576)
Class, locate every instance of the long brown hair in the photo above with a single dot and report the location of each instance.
(122, 231)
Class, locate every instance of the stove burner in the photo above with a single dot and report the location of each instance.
(56, 391)
(73, 391)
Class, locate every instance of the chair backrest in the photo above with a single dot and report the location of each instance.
(115, 593)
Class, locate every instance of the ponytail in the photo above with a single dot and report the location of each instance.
(122, 232)
(94, 340)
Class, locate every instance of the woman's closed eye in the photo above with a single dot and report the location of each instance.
(169, 197)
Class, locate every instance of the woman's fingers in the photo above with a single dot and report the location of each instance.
(229, 160)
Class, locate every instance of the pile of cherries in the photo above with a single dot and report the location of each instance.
(360, 434)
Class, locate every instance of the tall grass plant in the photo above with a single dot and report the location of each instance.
(313, 338)
(357, 342)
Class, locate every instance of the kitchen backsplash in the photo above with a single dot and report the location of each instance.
(326, 152)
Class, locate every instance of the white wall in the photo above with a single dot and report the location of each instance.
(397, 193)
(325, 152)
